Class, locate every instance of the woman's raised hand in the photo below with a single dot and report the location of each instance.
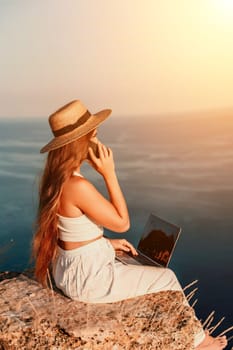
(104, 164)
(123, 244)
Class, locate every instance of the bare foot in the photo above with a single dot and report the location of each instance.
(210, 343)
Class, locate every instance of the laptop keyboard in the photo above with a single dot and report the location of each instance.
(143, 261)
(134, 260)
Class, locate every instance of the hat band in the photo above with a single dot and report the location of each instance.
(71, 127)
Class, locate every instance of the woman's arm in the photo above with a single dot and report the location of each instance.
(112, 213)
(116, 198)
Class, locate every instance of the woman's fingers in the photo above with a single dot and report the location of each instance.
(104, 162)
(109, 152)
(103, 151)
(123, 244)
(129, 247)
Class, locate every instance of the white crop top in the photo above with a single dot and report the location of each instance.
(75, 229)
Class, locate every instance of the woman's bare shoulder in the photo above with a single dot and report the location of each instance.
(78, 185)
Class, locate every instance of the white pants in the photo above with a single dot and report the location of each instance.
(91, 274)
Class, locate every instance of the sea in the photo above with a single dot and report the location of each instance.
(179, 167)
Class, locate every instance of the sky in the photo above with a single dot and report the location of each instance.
(136, 57)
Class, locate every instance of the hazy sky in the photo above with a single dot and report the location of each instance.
(136, 57)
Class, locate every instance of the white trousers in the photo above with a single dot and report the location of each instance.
(92, 274)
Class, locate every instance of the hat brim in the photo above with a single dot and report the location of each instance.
(92, 122)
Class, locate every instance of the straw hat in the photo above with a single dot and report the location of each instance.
(71, 122)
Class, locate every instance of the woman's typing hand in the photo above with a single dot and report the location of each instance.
(123, 244)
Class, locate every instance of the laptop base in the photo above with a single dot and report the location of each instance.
(130, 259)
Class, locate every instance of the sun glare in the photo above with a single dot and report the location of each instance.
(225, 5)
(223, 10)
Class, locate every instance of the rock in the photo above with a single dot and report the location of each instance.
(32, 317)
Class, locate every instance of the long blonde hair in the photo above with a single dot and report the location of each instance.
(59, 167)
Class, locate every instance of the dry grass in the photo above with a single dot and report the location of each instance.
(208, 323)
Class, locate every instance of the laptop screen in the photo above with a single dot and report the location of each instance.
(158, 240)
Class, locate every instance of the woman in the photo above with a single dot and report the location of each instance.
(72, 214)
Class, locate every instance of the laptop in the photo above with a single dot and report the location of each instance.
(156, 245)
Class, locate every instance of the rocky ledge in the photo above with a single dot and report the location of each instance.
(35, 318)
